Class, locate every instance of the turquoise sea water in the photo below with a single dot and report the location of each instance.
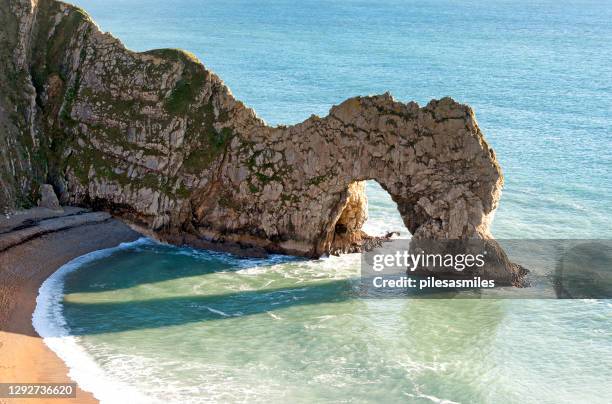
(182, 325)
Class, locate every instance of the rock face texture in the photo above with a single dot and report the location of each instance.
(18, 139)
(48, 199)
(160, 141)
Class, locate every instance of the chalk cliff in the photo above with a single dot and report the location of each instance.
(159, 140)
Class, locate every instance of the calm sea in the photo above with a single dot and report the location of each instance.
(172, 324)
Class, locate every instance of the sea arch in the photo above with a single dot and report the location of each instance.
(433, 161)
(160, 141)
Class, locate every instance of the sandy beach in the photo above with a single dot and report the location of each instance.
(40, 243)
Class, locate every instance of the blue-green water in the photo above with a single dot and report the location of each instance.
(180, 325)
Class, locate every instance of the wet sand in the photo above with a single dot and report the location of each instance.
(24, 358)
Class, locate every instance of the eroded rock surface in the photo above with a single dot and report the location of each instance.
(159, 140)
(48, 199)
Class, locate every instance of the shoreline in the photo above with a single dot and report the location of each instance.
(24, 357)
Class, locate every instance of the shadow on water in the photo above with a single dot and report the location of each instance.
(151, 262)
(113, 316)
(98, 298)
(108, 317)
(98, 301)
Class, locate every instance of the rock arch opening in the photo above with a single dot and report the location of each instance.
(348, 232)
(367, 215)
(383, 213)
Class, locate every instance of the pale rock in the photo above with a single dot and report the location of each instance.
(48, 198)
(218, 168)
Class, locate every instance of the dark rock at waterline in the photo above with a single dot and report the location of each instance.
(584, 271)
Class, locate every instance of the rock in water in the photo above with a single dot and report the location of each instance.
(48, 199)
(159, 140)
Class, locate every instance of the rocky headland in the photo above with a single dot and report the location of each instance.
(158, 140)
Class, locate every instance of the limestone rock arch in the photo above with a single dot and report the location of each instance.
(159, 140)
(433, 161)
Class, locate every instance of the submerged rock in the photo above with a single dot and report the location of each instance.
(160, 141)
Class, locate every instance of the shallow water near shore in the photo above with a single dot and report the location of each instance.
(176, 324)
(162, 323)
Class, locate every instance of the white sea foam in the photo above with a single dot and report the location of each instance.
(224, 314)
(49, 322)
(433, 399)
(274, 316)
